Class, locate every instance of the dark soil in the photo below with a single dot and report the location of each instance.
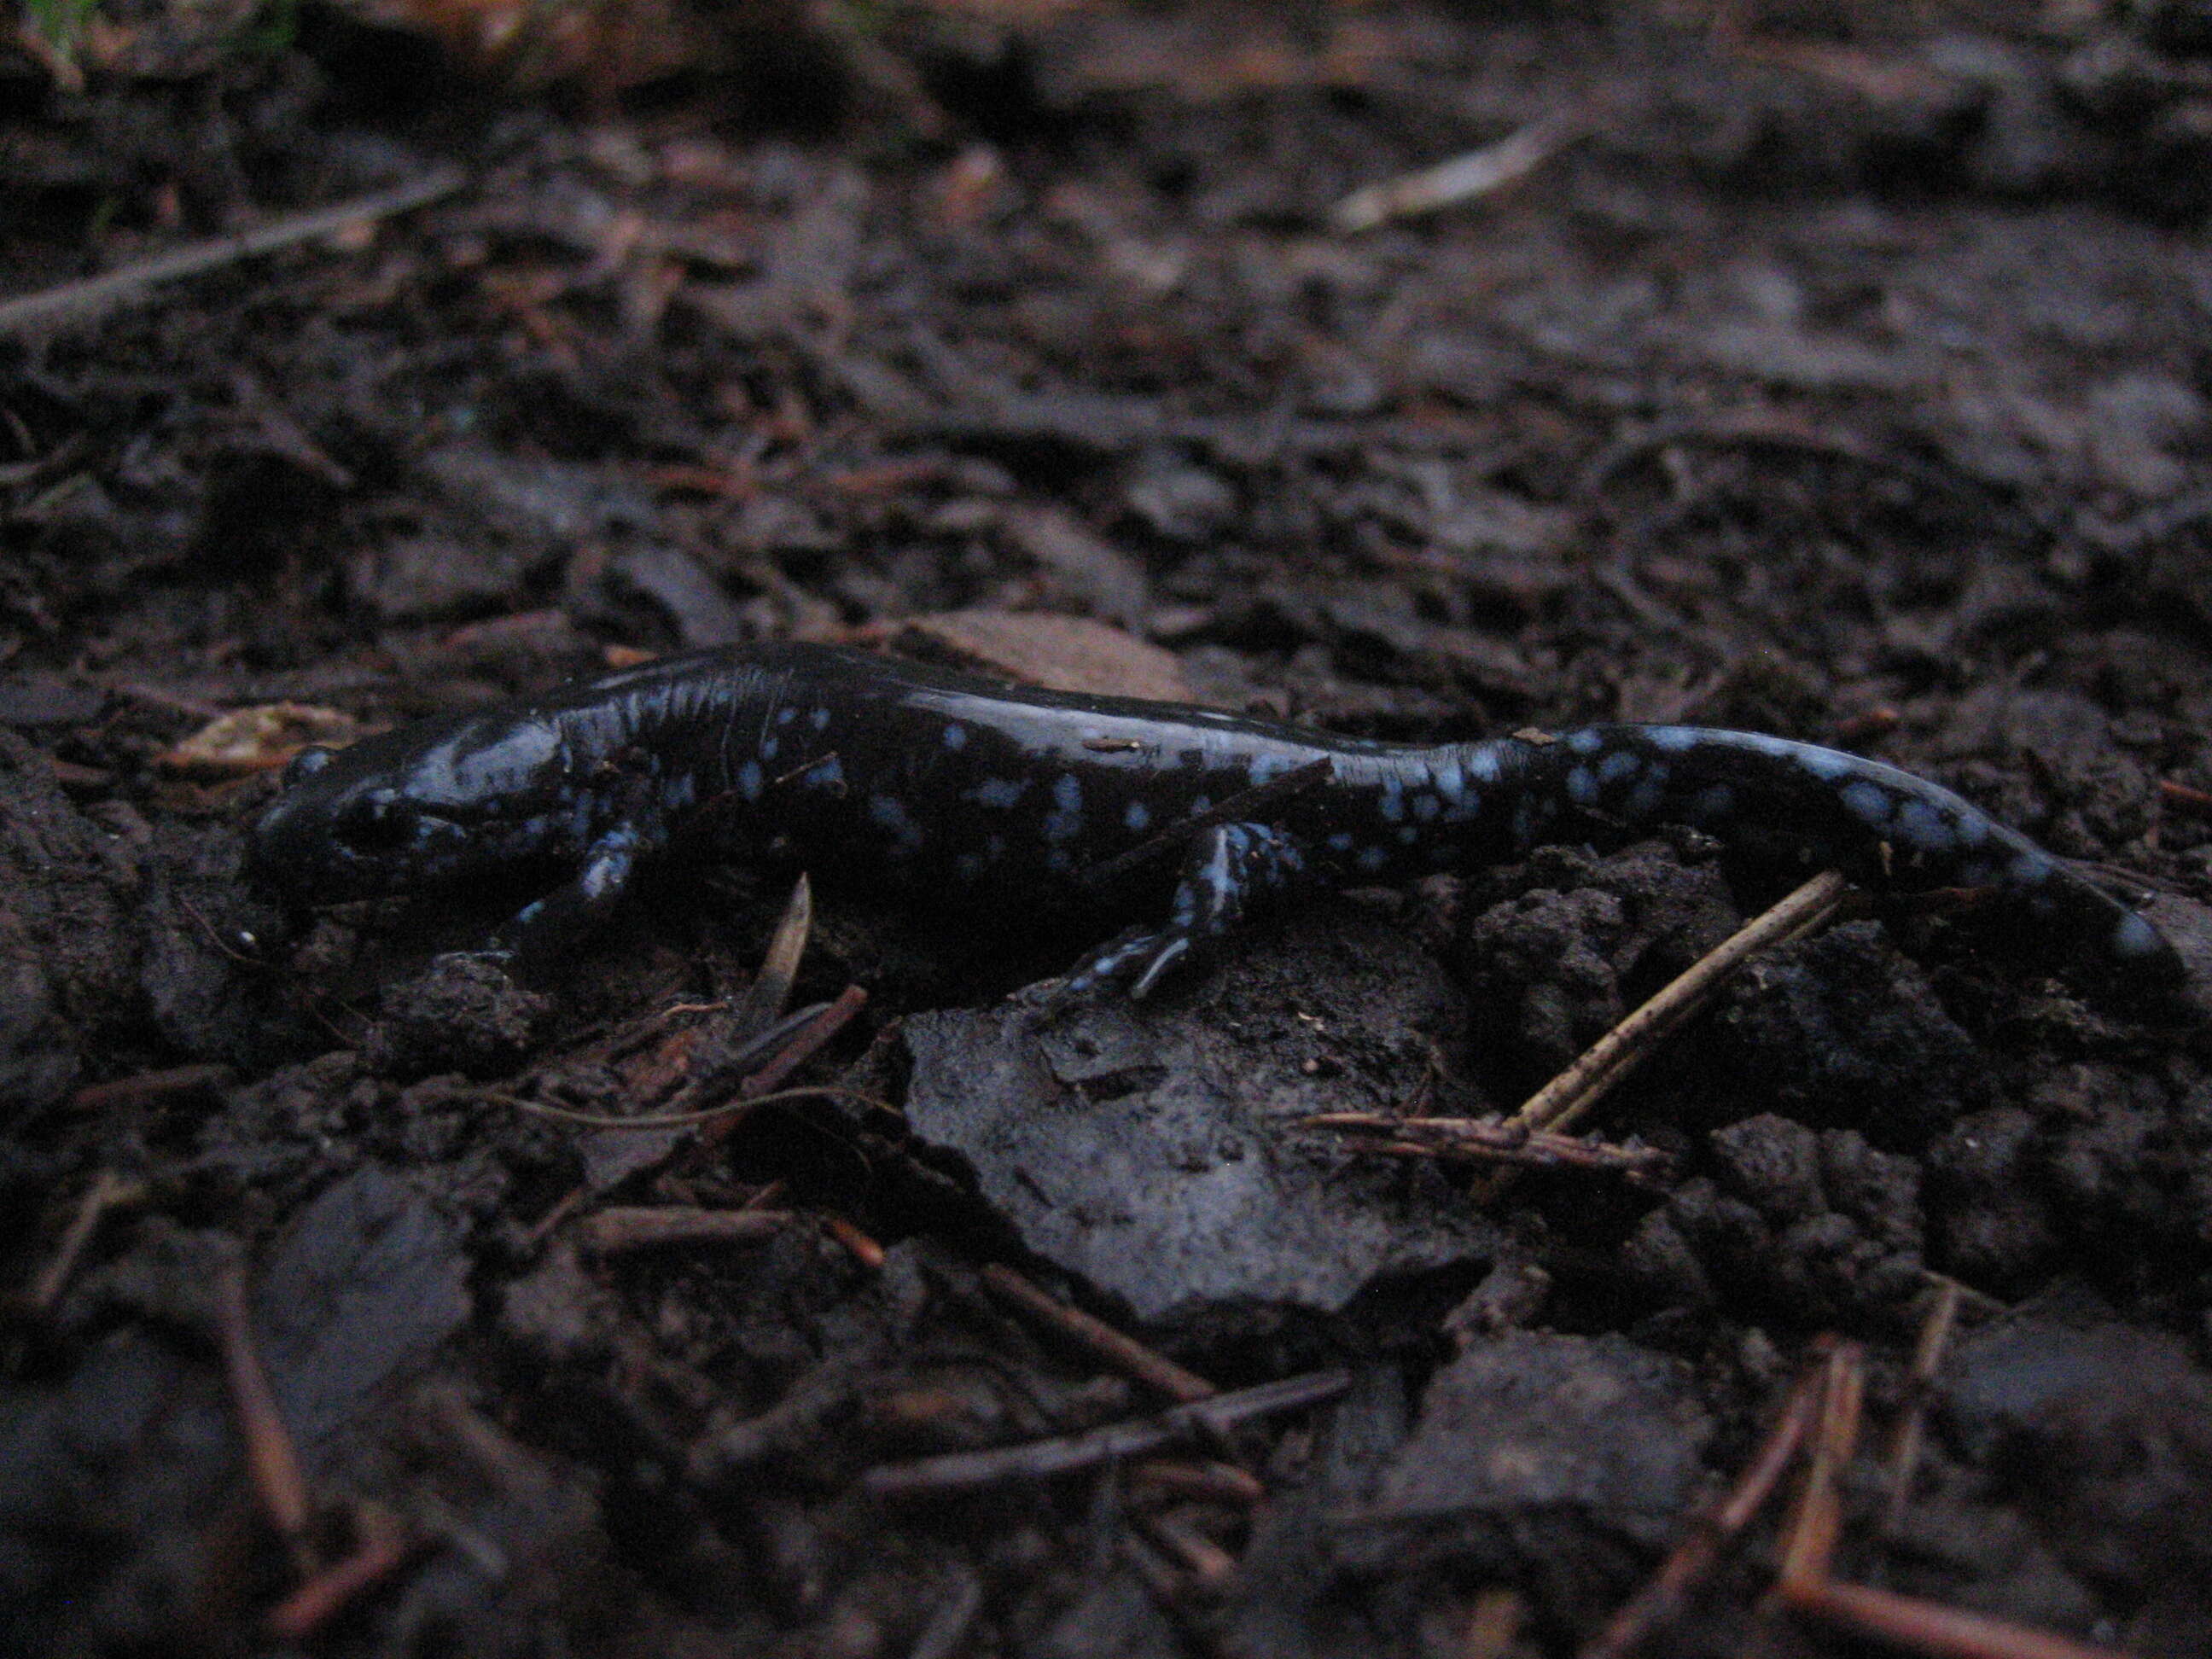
(1844, 374)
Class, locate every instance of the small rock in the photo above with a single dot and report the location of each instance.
(1534, 1447)
(1155, 1151)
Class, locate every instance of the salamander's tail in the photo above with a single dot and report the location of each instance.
(1881, 826)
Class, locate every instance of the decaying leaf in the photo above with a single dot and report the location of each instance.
(257, 739)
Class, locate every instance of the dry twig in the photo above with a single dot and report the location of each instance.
(608, 1232)
(863, 1248)
(1123, 1352)
(1629, 1044)
(1927, 1355)
(1042, 1459)
(1930, 1628)
(1487, 1141)
(1826, 1401)
(2186, 798)
(1213, 1482)
(107, 1192)
(1207, 1563)
(653, 1120)
(75, 303)
(1818, 1520)
(1712, 1529)
(143, 1088)
(383, 1546)
(805, 1042)
(1462, 179)
(270, 1455)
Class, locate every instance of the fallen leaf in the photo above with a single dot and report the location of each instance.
(257, 739)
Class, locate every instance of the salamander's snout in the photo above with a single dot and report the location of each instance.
(290, 850)
(338, 832)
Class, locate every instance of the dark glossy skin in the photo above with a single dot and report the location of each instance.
(1005, 800)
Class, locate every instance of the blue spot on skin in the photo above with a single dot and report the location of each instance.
(1645, 801)
(999, 791)
(827, 774)
(1974, 830)
(889, 811)
(2135, 937)
(2029, 870)
(1582, 789)
(609, 869)
(1826, 764)
(1761, 743)
(819, 719)
(1409, 834)
(1201, 805)
(1618, 765)
(1340, 841)
(956, 737)
(995, 848)
(785, 715)
(1672, 738)
(1450, 780)
(1585, 742)
(1265, 767)
(1714, 804)
(1393, 803)
(1868, 803)
(1058, 861)
(750, 781)
(1137, 815)
(1921, 827)
(1483, 764)
(1425, 808)
(681, 792)
(769, 746)
(1372, 859)
(1064, 821)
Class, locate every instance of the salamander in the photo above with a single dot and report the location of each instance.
(1004, 799)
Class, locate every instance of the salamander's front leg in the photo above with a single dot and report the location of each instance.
(1230, 869)
(548, 928)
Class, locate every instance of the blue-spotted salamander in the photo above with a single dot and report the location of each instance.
(944, 787)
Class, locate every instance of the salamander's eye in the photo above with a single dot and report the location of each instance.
(375, 822)
(308, 762)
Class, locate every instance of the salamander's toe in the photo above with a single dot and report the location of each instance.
(1135, 960)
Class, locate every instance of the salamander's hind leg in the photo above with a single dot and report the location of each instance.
(548, 928)
(1230, 869)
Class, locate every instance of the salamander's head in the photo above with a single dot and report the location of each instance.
(416, 809)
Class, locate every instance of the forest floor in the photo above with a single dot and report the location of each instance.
(1838, 374)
